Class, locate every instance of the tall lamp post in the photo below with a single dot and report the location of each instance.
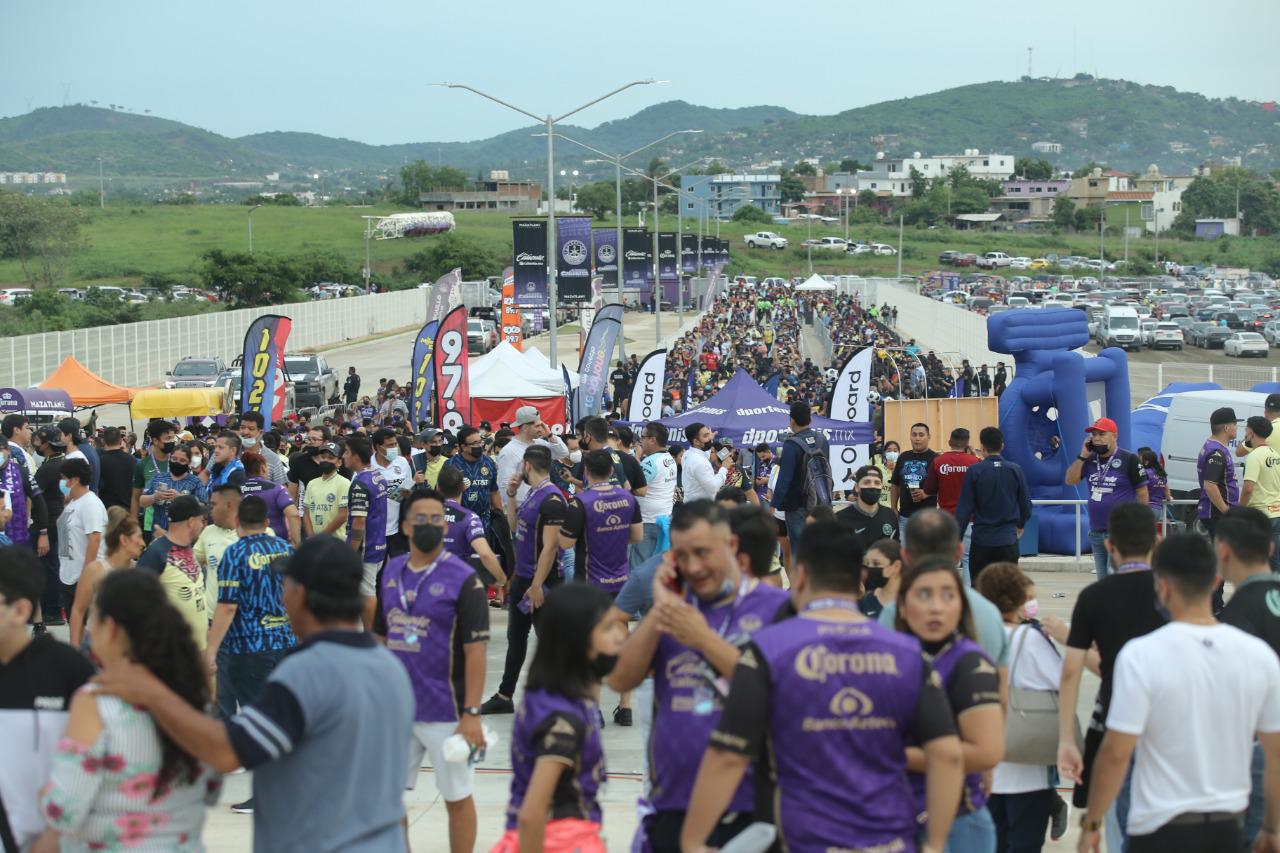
(573, 179)
(550, 122)
(251, 210)
(616, 160)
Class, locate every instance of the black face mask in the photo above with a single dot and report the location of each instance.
(169, 446)
(435, 451)
(177, 469)
(875, 578)
(327, 467)
(602, 665)
(427, 537)
(870, 496)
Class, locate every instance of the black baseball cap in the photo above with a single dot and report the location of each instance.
(1220, 417)
(50, 434)
(325, 565)
(327, 447)
(184, 508)
(1273, 403)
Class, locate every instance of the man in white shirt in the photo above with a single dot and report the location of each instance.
(1193, 693)
(659, 468)
(530, 430)
(703, 473)
(81, 525)
(398, 474)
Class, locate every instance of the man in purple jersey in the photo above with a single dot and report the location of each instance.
(433, 616)
(366, 517)
(704, 611)
(601, 522)
(826, 704)
(535, 520)
(465, 536)
(1113, 476)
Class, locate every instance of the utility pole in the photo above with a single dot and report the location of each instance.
(899, 246)
(251, 210)
(102, 187)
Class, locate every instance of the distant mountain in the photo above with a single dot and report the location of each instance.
(1122, 124)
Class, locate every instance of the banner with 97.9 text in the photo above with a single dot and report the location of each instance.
(453, 387)
(262, 381)
(512, 320)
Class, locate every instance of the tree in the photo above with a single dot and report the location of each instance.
(1033, 170)
(866, 198)
(420, 176)
(848, 164)
(1086, 169)
(919, 183)
(790, 188)
(751, 213)
(657, 166)
(250, 281)
(597, 198)
(1217, 196)
(804, 167)
(715, 167)
(1087, 218)
(278, 199)
(42, 235)
(451, 251)
(1064, 213)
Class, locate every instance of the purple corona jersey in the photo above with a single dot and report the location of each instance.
(368, 497)
(604, 533)
(555, 726)
(465, 527)
(429, 616)
(276, 499)
(687, 707)
(1109, 486)
(1206, 509)
(527, 528)
(849, 689)
(944, 664)
(11, 482)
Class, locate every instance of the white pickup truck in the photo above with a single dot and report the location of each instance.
(991, 260)
(765, 240)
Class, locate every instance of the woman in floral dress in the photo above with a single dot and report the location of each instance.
(119, 783)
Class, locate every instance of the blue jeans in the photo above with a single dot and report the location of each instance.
(795, 527)
(644, 549)
(902, 528)
(1116, 826)
(1101, 562)
(964, 561)
(241, 678)
(568, 560)
(1253, 814)
(972, 833)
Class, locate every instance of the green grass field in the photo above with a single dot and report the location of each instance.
(123, 243)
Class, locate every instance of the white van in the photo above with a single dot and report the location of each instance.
(1186, 429)
(1119, 327)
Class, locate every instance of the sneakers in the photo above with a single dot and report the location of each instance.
(1061, 812)
(622, 716)
(243, 808)
(498, 704)
(39, 630)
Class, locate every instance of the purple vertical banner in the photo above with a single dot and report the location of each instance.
(604, 244)
(689, 254)
(573, 265)
(529, 247)
(667, 265)
(637, 261)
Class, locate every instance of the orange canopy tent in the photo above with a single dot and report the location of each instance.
(86, 387)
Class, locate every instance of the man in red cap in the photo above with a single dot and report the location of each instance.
(1114, 477)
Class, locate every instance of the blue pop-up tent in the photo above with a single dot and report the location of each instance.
(746, 414)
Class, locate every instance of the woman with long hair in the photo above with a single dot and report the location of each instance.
(557, 757)
(1157, 483)
(933, 607)
(1023, 796)
(119, 781)
(881, 577)
(886, 463)
(124, 543)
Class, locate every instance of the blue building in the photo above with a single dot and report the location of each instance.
(719, 196)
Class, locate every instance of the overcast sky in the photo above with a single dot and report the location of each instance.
(360, 69)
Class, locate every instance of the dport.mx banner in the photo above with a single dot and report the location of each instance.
(262, 374)
(453, 388)
(646, 397)
(849, 403)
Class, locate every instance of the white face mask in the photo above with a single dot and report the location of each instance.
(249, 441)
(575, 456)
(195, 462)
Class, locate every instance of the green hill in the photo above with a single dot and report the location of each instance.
(1122, 124)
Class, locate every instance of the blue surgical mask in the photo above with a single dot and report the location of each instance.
(249, 442)
(891, 456)
(64, 487)
(393, 453)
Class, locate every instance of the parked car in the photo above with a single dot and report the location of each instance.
(231, 381)
(765, 240)
(70, 293)
(992, 260)
(1271, 332)
(883, 249)
(968, 259)
(948, 257)
(1165, 335)
(859, 249)
(13, 295)
(1020, 263)
(1207, 335)
(832, 244)
(106, 291)
(1038, 264)
(315, 382)
(1018, 302)
(1230, 318)
(1243, 344)
(195, 372)
(482, 335)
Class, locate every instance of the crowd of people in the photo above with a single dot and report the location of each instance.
(313, 602)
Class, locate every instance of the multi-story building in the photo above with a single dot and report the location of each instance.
(497, 193)
(1047, 147)
(720, 196)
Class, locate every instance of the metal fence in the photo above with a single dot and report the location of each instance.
(138, 354)
(1147, 380)
(1167, 524)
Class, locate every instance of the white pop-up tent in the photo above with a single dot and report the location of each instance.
(503, 380)
(816, 282)
(531, 366)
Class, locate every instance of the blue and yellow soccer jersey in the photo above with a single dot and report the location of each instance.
(246, 579)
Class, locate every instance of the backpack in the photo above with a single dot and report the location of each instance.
(817, 484)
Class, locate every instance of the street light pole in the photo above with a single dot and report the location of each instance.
(549, 122)
(251, 210)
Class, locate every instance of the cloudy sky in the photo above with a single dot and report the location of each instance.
(361, 70)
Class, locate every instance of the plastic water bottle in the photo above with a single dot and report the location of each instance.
(756, 838)
(457, 751)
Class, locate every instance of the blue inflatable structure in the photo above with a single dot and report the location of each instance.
(1056, 391)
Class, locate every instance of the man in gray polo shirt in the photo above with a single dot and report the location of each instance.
(327, 736)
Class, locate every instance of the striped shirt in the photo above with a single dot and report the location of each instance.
(246, 579)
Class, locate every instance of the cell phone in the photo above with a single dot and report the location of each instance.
(725, 453)
(676, 583)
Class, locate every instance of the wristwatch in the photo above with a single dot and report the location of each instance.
(1090, 825)
(1082, 458)
(472, 711)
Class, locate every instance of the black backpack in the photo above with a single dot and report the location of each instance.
(817, 484)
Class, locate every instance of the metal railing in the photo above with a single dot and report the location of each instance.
(1078, 503)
